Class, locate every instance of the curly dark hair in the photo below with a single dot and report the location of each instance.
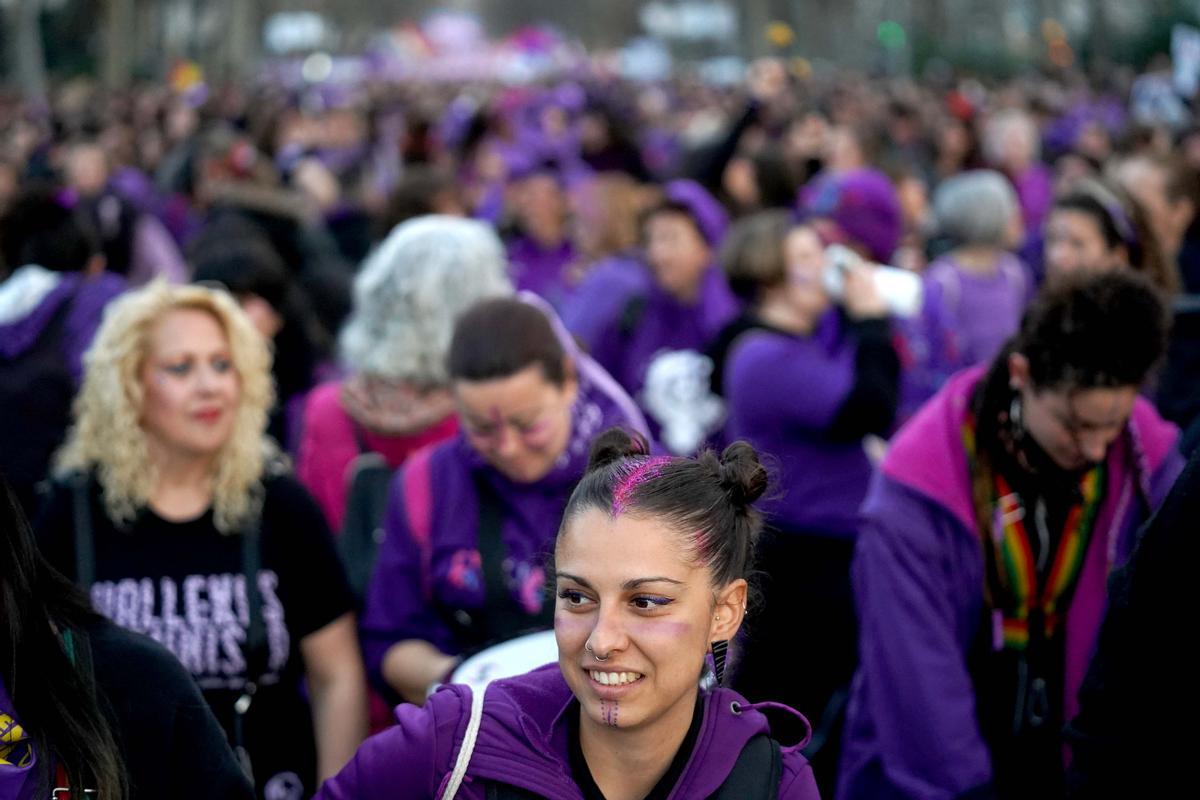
(1094, 331)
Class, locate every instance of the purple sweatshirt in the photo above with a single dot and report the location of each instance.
(783, 393)
(30, 299)
(918, 578)
(523, 742)
(624, 318)
(929, 351)
(397, 608)
(984, 310)
(539, 270)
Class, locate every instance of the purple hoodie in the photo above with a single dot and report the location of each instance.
(397, 608)
(624, 318)
(984, 310)
(783, 394)
(523, 742)
(540, 270)
(1035, 194)
(918, 577)
(32, 297)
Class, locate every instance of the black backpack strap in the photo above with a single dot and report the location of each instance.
(631, 316)
(501, 617)
(756, 774)
(256, 644)
(360, 437)
(256, 634)
(85, 545)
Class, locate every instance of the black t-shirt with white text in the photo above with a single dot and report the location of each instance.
(182, 584)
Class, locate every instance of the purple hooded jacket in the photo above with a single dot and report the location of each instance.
(397, 608)
(918, 576)
(624, 318)
(523, 742)
(32, 297)
(540, 270)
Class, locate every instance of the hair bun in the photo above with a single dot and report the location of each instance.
(743, 477)
(616, 444)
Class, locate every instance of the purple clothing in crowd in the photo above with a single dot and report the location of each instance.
(624, 317)
(523, 742)
(18, 759)
(32, 297)
(397, 608)
(1035, 195)
(783, 393)
(540, 270)
(928, 349)
(911, 728)
(984, 310)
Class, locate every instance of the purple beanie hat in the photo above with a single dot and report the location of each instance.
(864, 205)
(709, 215)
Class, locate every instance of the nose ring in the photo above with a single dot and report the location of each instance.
(588, 646)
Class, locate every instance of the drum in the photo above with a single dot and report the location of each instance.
(506, 659)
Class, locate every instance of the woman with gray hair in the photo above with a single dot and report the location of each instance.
(984, 287)
(407, 297)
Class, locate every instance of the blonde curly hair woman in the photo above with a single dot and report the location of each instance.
(164, 487)
(109, 437)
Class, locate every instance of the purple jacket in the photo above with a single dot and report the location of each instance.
(623, 317)
(918, 579)
(539, 270)
(31, 298)
(523, 742)
(397, 608)
(783, 393)
(929, 351)
(984, 310)
(1035, 194)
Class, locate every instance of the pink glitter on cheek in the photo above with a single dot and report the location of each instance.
(660, 627)
(650, 468)
(574, 623)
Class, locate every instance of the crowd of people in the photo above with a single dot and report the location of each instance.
(812, 415)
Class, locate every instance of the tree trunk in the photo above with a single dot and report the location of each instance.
(30, 60)
(242, 33)
(120, 43)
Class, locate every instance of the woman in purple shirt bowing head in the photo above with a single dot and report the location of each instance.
(470, 520)
(651, 565)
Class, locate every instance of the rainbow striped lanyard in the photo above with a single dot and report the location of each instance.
(1013, 587)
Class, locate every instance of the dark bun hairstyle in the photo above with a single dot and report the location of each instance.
(708, 499)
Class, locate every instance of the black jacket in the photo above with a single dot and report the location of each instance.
(1135, 732)
(171, 744)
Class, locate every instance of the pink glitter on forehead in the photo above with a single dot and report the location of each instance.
(650, 468)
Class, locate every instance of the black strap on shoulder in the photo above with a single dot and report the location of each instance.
(631, 316)
(501, 617)
(85, 545)
(256, 634)
(360, 437)
(756, 774)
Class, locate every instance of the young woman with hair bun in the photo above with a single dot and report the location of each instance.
(650, 572)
